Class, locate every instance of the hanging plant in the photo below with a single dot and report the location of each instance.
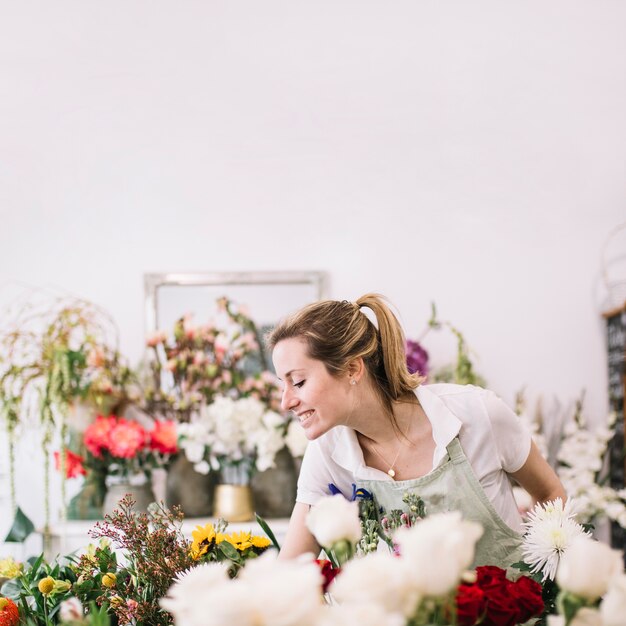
(53, 354)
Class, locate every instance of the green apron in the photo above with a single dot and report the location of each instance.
(452, 486)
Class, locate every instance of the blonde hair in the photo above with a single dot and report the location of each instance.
(337, 332)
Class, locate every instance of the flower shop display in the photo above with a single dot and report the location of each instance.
(144, 571)
(120, 457)
(577, 452)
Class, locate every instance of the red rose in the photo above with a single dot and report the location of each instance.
(527, 594)
(328, 572)
(488, 576)
(502, 609)
(470, 604)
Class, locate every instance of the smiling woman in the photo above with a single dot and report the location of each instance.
(374, 425)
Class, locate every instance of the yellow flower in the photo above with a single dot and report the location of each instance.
(109, 580)
(260, 542)
(204, 538)
(61, 586)
(116, 601)
(240, 540)
(46, 585)
(10, 568)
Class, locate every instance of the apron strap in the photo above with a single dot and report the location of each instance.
(455, 452)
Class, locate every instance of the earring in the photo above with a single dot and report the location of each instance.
(352, 381)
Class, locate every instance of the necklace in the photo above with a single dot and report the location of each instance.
(390, 471)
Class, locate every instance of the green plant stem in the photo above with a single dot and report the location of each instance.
(11, 436)
(63, 469)
(46, 482)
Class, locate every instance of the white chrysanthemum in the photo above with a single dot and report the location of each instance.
(550, 530)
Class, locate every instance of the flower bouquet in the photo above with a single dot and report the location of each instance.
(120, 453)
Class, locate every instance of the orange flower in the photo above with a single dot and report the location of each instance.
(9, 615)
(126, 438)
(163, 437)
(73, 464)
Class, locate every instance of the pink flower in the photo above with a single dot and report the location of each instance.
(163, 437)
(96, 436)
(155, 338)
(126, 439)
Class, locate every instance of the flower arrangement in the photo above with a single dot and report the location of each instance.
(236, 436)
(197, 363)
(123, 448)
(379, 588)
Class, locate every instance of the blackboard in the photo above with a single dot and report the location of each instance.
(616, 359)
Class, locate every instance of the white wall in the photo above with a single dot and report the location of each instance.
(470, 153)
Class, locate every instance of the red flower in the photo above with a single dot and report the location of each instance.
(527, 593)
(126, 438)
(328, 572)
(508, 603)
(163, 437)
(96, 436)
(488, 576)
(470, 604)
(502, 609)
(9, 615)
(73, 464)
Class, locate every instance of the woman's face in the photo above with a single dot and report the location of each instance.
(319, 400)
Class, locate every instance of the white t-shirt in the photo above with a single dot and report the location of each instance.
(493, 438)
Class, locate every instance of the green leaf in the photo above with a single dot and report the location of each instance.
(22, 527)
(11, 589)
(267, 530)
(228, 550)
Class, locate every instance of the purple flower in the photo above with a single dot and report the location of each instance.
(416, 358)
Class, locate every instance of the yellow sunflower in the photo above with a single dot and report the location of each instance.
(204, 538)
(260, 542)
(241, 541)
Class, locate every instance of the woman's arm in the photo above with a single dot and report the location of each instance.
(538, 478)
(298, 539)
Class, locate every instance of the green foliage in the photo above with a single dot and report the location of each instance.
(462, 371)
(35, 607)
(21, 528)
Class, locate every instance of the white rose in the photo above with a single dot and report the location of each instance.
(586, 568)
(586, 617)
(71, 610)
(377, 578)
(334, 519)
(284, 592)
(296, 439)
(613, 607)
(437, 551)
(366, 614)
